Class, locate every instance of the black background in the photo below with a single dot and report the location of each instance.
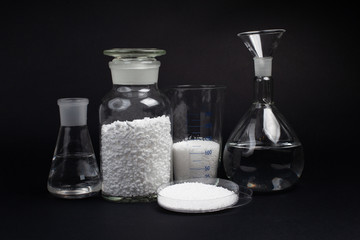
(49, 51)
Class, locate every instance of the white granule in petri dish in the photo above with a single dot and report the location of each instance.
(135, 156)
(196, 197)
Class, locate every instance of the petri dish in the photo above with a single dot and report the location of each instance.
(220, 194)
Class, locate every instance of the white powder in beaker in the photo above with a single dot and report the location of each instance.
(135, 156)
(196, 197)
(195, 159)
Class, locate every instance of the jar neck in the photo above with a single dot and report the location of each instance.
(263, 90)
(134, 87)
(135, 91)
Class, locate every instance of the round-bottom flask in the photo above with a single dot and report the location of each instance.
(252, 159)
(263, 152)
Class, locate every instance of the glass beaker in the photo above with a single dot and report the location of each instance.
(74, 172)
(197, 117)
(135, 128)
(263, 152)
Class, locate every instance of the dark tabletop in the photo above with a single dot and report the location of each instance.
(312, 210)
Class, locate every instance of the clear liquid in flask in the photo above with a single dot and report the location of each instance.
(74, 176)
(263, 168)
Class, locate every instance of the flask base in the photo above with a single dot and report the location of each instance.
(264, 168)
(77, 193)
(271, 187)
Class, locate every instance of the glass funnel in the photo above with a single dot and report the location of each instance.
(263, 152)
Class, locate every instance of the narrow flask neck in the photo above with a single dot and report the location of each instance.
(263, 66)
(263, 90)
(73, 111)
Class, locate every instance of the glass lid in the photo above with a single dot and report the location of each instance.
(134, 52)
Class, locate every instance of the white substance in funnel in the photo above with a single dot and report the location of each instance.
(196, 197)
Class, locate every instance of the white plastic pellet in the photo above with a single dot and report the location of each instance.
(196, 197)
(135, 156)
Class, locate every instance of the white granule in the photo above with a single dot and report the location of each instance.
(196, 197)
(195, 159)
(135, 156)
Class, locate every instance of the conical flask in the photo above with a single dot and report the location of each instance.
(263, 152)
(74, 172)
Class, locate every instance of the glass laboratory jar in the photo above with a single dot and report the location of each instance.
(135, 130)
(263, 151)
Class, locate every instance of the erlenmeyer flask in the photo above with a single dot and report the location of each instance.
(74, 172)
(263, 152)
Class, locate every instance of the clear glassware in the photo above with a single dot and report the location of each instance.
(197, 117)
(263, 152)
(135, 126)
(74, 172)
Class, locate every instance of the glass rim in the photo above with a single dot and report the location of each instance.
(134, 52)
(72, 101)
(267, 31)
